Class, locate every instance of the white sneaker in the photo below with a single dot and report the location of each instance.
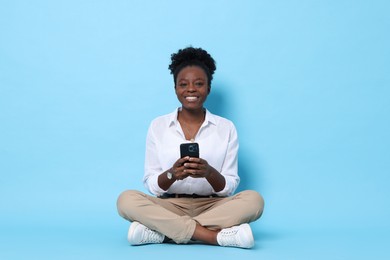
(139, 235)
(237, 236)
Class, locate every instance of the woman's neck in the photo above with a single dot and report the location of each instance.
(192, 116)
(190, 122)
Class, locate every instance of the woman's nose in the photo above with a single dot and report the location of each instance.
(191, 87)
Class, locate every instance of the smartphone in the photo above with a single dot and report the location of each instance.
(189, 149)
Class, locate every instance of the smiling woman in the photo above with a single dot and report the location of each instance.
(193, 196)
(192, 90)
(192, 71)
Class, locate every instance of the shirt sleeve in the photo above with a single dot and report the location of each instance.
(152, 165)
(230, 164)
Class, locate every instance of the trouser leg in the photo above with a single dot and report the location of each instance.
(157, 214)
(244, 207)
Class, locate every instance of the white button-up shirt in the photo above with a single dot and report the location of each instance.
(218, 145)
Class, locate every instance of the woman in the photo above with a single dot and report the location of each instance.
(193, 197)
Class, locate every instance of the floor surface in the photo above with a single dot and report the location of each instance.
(108, 241)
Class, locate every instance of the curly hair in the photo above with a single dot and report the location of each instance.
(191, 56)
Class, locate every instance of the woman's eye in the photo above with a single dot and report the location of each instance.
(182, 84)
(200, 84)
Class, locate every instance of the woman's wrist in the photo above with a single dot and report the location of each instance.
(171, 174)
(166, 179)
(216, 179)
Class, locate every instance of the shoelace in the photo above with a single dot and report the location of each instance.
(151, 236)
(229, 237)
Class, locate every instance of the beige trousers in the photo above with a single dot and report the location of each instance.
(176, 218)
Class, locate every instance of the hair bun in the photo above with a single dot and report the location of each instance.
(192, 56)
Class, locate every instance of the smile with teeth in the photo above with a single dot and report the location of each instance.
(191, 99)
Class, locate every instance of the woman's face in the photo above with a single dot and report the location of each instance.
(192, 87)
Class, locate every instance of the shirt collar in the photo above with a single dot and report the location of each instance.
(209, 118)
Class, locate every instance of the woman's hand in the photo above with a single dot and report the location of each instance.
(197, 167)
(178, 169)
(200, 168)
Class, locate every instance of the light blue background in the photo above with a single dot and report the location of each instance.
(306, 83)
